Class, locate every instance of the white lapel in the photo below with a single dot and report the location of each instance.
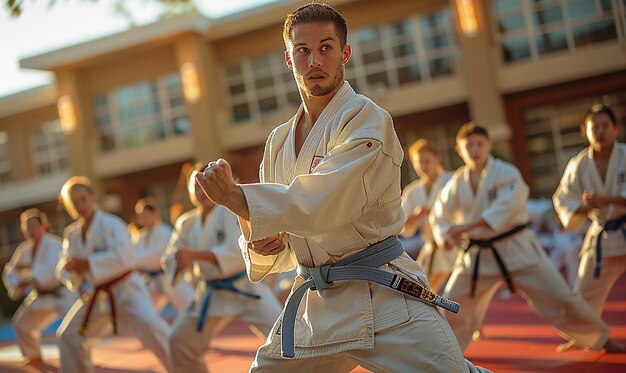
(596, 180)
(479, 202)
(313, 143)
(288, 161)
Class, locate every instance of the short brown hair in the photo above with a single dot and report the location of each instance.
(71, 184)
(147, 203)
(33, 213)
(316, 12)
(471, 128)
(599, 109)
(423, 145)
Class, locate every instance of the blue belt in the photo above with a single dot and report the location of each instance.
(154, 273)
(360, 266)
(223, 284)
(609, 227)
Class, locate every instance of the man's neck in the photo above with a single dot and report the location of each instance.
(314, 105)
(602, 152)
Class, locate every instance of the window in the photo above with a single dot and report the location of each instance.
(5, 159)
(260, 87)
(142, 113)
(412, 50)
(49, 148)
(385, 56)
(553, 136)
(530, 29)
(10, 237)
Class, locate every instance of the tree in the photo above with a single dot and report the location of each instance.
(170, 8)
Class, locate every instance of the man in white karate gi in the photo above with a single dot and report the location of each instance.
(417, 200)
(30, 273)
(205, 242)
(329, 204)
(98, 262)
(485, 203)
(593, 187)
(152, 240)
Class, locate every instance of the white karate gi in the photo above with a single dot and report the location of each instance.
(501, 201)
(582, 175)
(108, 250)
(149, 248)
(44, 305)
(218, 234)
(341, 193)
(436, 262)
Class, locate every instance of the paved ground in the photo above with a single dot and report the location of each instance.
(516, 341)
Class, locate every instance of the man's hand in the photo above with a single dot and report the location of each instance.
(217, 183)
(27, 283)
(184, 259)
(271, 245)
(76, 265)
(454, 236)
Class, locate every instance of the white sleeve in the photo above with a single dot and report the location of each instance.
(317, 203)
(441, 215)
(11, 276)
(567, 198)
(510, 202)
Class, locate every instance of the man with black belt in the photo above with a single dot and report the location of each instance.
(485, 203)
(594, 186)
(98, 262)
(30, 272)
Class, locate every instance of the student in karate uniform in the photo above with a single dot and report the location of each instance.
(330, 194)
(98, 262)
(30, 273)
(150, 246)
(205, 241)
(485, 201)
(417, 200)
(593, 187)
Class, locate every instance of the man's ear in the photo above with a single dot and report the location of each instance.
(347, 52)
(458, 149)
(288, 60)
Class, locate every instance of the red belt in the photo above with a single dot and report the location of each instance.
(108, 289)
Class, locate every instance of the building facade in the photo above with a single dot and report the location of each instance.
(131, 109)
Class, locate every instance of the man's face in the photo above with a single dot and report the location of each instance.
(34, 228)
(425, 163)
(599, 129)
(475, 149)
(84, 202)
(146, 218)
(316, 57)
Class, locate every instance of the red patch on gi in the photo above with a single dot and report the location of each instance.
(369, 144)
(316, 160)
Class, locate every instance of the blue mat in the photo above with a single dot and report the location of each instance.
(7, 334)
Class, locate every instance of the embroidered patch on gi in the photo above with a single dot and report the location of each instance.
(316, 160)
(369, 144)
(621, 177)
(492, 194)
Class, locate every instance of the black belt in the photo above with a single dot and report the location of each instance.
(54, 292)
(609, 227)
(488, 244)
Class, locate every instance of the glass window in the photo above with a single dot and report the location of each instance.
(141, 113)
(5, 160)
(551, 42)
(529, 29)
(49, 152)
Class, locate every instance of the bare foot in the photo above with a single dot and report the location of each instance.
(478, 335)
(613, 347)
(566, 346)
(35, 362)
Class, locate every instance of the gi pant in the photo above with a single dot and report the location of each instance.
(545, 291)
